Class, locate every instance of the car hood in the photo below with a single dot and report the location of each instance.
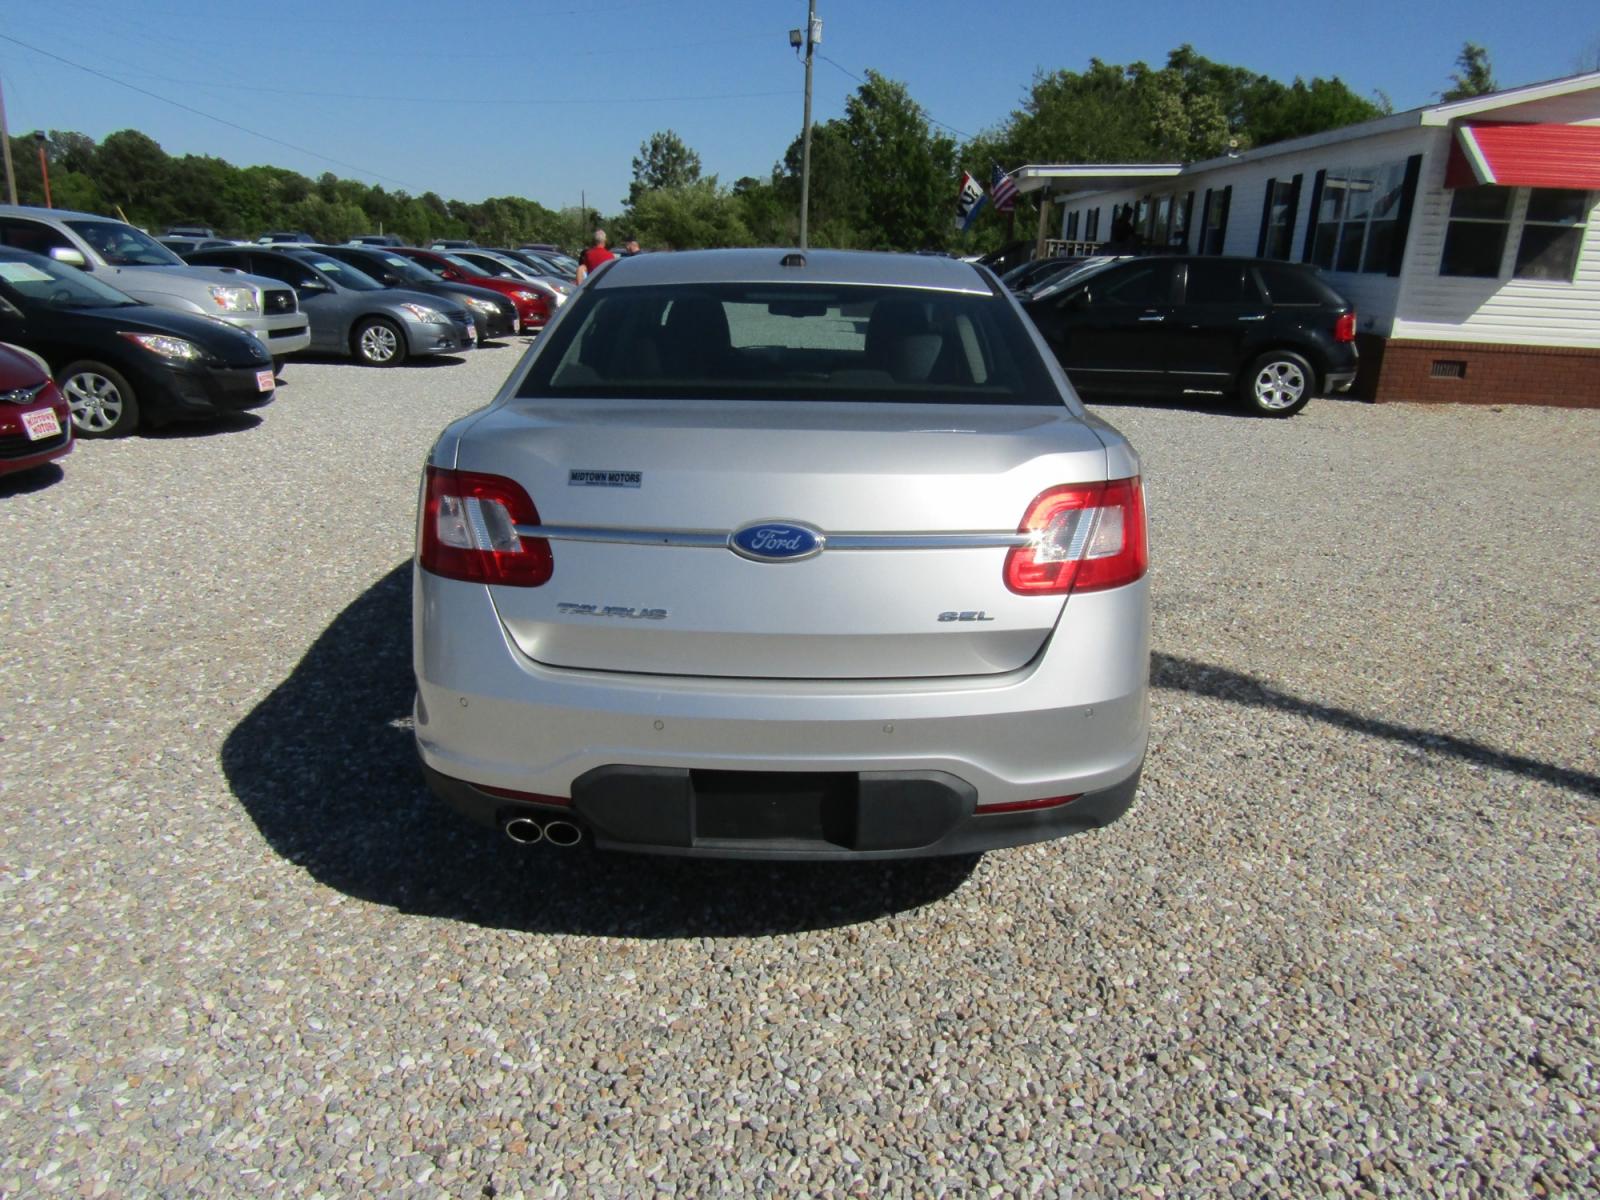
(407, 296)
(233, 346)
(176, 280)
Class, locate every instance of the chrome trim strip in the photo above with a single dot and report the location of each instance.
(706, 540)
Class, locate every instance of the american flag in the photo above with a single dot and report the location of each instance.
(1002, 191)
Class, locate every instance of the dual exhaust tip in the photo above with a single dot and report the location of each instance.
(527, 831)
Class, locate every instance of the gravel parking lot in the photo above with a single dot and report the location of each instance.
(1344, 944)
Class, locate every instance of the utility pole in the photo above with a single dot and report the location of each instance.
(5, 141)
(812, 36)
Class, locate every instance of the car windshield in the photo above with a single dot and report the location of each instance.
(123, 245)
(45, 282)
(492, 266)
(470, 267)
(341, 273)
(806, 342)
(406, 269)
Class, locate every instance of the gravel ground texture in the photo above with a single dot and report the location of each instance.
(1345, 943)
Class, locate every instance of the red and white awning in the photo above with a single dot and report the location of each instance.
(1521, 155)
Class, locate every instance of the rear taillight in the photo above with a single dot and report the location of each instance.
(468, 530)
(1082, 538)
(1344, 329)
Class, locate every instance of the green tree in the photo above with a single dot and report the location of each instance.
(696, 216)
(902, 171)
(1474, 78)
(663, 161)
(131, 171)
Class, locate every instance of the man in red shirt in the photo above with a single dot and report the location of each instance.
(595, 256)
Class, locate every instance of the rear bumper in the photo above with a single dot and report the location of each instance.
(1338, 382)
(1075, 721)
(893, 815)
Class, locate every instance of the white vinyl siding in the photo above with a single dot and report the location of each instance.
(1501, 311)
(1420, 304)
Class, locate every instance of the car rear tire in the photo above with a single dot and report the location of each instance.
(379, 343)
(1278, 384)
(102, 400)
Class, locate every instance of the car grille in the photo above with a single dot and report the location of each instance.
(18, 446)
(296, 331)
(279, 301)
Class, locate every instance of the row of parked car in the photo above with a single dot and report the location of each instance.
(133, 332)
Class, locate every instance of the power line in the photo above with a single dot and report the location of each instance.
(266, 137)
(498, 101)
(926, 115)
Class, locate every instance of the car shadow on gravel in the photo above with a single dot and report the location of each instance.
(1182, 674)
(35, 479)
(326, 768)
(426, 361)
(222, 423)
(1215, 406)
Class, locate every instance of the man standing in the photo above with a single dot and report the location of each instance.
(595, 256)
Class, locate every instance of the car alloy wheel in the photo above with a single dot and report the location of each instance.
(379, 343)
(1280, 384)
(101, 402)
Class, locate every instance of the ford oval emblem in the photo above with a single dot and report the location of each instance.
(776, 541)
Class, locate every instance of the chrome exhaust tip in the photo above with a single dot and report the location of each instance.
(524, 831)
(562, 833)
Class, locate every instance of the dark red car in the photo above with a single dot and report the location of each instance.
(535, 303)
(35, 424)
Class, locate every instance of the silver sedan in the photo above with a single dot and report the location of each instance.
(768, 554)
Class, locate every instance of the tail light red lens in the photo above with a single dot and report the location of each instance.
(468, 530)
(1084, 538)
(1344, 329)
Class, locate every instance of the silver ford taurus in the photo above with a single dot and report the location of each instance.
(768, 554)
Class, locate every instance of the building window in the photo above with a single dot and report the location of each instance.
(1282, 196)
(1215, 234)
(1071, 231)
(1552, 233)
(1092, 232)
(1475, 241)
(1357, 218)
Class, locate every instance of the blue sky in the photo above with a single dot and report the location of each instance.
(550, 99)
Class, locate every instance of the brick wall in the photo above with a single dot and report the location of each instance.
(1563, 377)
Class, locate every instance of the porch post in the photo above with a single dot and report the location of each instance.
(1044, 222)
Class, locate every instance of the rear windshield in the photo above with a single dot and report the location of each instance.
(1296, 285)
(792, 342)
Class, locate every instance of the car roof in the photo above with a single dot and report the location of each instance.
(54, 214)
(929, 272)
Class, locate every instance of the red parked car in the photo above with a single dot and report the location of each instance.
(35, 425)
(535, 303)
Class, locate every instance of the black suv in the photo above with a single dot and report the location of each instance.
(1273, 333)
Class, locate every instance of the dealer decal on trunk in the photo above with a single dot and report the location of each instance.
(617, 479)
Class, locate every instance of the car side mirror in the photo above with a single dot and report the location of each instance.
(73, 258)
